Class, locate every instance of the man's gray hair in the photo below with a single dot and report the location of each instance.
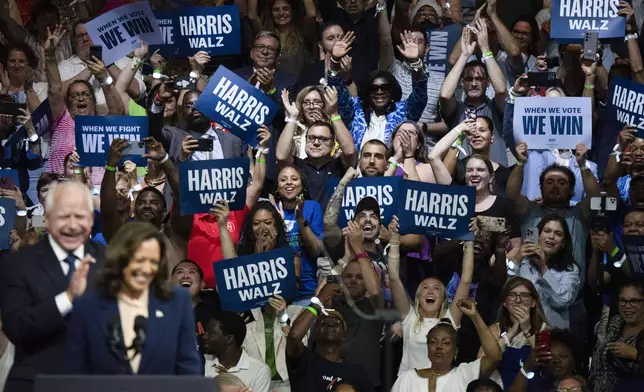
(269, 34)
(51, 196)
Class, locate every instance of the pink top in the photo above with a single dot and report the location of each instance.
(63, 142)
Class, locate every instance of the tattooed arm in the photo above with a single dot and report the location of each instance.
(333, 233)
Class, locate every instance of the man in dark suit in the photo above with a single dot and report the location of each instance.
(263, 75)
(39, 284)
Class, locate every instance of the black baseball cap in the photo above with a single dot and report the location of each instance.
(368, 203)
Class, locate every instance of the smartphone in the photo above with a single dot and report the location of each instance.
(134, 148)
(204, 145)
(543, 339)
(590, 45)
(596, 203)
(7, 183)
(492, 223)
(542, 79)
(12, 108)
(333, 279)
(96, 51)
(552, 62)
(532, 235)
(185, 83)
(38, 221)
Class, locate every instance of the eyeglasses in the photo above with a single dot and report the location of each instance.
(633, 302)
(315, 102)
(321, 139)
(573, 389)
(384, 88)
(524, 296)
(523, 33)
(264, 48)
(77, 95)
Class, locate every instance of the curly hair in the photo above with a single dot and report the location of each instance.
(32, 60)
(247, 240)
(293, 35)
(120, 252)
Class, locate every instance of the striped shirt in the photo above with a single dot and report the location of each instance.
(63, 142)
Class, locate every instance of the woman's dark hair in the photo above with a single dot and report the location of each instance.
(89, 87)
(121, 250)
(483, 384)
(46, 179)
(420, 155)
(305, 187)
(569, 340)
(480, 157)
(562, 260)
(324, 27)
(364, 93)
(32, 60)
(633, 283)
(533, 26)
(537, 316)
(246, 244)
(489, 122)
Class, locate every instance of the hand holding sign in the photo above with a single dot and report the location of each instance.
(157, 61)
(626, 10)
(16, 195)
(263, 136)
(522, 151)
(221, 211)
(53, 39)
(580, 154)
(278, 303)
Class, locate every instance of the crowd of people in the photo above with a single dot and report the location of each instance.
(545, 297)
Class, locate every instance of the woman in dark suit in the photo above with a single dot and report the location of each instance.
(135, 323)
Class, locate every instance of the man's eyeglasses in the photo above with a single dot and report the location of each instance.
(573, 389)
(633, 302)
(321, 139)
(524, 296)
(77, 95)
(264, 48)
(315, 102)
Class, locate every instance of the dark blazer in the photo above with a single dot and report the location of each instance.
(29, 281)
(171, 342)
(172, 138)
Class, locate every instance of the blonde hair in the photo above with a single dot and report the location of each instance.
(300, 98)
(228, 379)
(417, 308)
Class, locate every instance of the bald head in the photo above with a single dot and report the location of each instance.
(70, 214)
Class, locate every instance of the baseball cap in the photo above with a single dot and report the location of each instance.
(368, 203)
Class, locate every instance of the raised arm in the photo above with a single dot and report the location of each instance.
(494, 71)
(591, 186)
(56, 94)
(9, 27)
(111, 220)
(355, 236)
(611, 174)
(447, 98)
(506, 39)
(126, 76)
(398, 291)
(463, 289)
(221, 211)
(515, 181)
(332, 232)
(254, 190)
(491, 349)
(284, 148)
(386, 43)
(634, 54)
(253, 17)
(417, 100)
(349, 156)
(112, 97)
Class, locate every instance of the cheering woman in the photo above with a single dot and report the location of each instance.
(136, 323)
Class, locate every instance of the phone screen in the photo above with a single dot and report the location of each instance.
(11, 108)
(543, 339)
(96, 51)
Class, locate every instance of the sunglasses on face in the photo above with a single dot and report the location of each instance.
(380, 88)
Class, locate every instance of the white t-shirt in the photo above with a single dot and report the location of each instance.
(454, 381)
(415, 340)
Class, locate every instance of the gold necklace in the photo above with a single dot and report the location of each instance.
(437, 373)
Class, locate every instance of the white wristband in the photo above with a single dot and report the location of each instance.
(528, 375)
(261, 151)
(630, 37)
(165, 159)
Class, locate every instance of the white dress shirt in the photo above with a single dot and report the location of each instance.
(216, 153)
(376, 129)
(74, 65)
(63, 303)
(252, 372)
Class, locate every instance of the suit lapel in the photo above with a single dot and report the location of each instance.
(157, 315)
(51, 265)
(258, 331)
(108, 315)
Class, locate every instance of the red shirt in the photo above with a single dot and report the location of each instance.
(204, 246)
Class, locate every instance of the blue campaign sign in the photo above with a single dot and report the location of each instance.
(42, 118)
(236, 105)
(7, 219)
(440, 210)
(186, 31)
(122, 30)
(634, 250)
(9, 176)
(203, 183)
(94, 135)
(384, 189)
(247, 282)
(572, 18)
(441, 42)
(625, 104)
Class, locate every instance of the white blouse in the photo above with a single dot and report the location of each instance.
(454, 381)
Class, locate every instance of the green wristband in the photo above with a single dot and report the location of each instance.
(336, 118)
(110, 168)
(614, 252)
(273, 90)
(260, 160)
(488, 54)
(312, 310)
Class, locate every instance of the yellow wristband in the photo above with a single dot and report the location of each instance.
(110, 168)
